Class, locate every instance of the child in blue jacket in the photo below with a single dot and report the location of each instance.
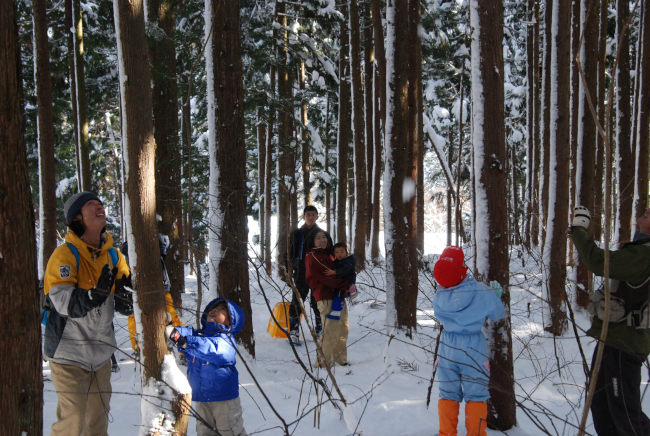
(461, 304)
(211, 358)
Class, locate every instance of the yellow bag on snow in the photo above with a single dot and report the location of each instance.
(281, 313)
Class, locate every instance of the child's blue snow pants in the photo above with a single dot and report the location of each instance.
(463, 367)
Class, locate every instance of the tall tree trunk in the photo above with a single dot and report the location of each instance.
(416, 120)
(142, 233)
(557, 216)
(636, 87)
(531, 119)
(83, 146)
(361, 213)
(285, 157)
(304, 140)
(368, 84)
(586, 152)
(21, 376)
(460, 230)
(596, 218)
(343, 138)
(643, 115)
(73, 86)
(329, 198)
(574, 103)
(379, 121)
(401, 269)
(623, 121)
(229, 150)
(490, 162)
(450, 192)
(537, 108)
(160, 14)
(268, 176)
(261, 175)
(546, 131)
(293, 180)
(187, 157)
(514, 203)
(46, 165)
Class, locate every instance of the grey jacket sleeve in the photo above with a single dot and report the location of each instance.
(70, 301)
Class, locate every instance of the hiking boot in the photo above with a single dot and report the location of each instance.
(294, 337)
(294, 323)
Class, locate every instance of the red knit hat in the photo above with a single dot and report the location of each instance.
(450, 269)
(453, 251)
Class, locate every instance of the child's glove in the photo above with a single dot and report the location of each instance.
(581, 217)
(337, 307)
(175, 336)
(496, 287)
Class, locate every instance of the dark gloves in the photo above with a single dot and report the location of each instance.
(102, 289)
(175, 336)
(123, 297)
(337, 307)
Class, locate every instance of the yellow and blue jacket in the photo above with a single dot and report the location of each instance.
(77, 332)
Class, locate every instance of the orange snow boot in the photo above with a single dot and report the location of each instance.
(476, 418)
(448, 416)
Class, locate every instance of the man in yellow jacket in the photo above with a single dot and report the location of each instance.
(84, 283)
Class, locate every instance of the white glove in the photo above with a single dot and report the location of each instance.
(581, 217)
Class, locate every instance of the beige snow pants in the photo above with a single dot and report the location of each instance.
(335, 334)
(83, 400)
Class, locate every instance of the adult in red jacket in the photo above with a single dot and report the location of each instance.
(325, 290)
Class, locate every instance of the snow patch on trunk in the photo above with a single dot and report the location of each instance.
(215, 218)
(482, 221)
(173, 376)
(389, 171)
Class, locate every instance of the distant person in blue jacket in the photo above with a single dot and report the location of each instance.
(461, 304)
(211, 358)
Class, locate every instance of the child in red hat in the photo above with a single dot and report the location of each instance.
(461, 304)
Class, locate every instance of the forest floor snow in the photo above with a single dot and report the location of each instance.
(386, 384)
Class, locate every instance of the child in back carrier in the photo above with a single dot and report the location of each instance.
(344, 267)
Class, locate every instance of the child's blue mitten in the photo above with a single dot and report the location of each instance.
(337, 307)
(496, 287)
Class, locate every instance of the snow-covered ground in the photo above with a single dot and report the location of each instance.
(386, 384)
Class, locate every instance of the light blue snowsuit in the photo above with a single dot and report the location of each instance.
(463, 361)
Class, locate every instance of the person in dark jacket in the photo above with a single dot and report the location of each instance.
(616, 406)
(301, 241)
(84, 282)
(324, 289)
(211, 357)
